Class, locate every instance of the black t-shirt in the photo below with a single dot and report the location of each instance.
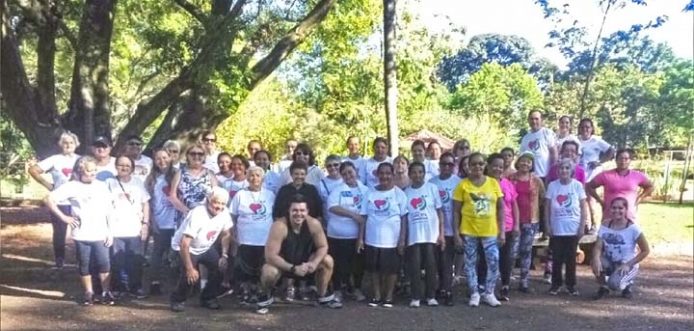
(287, 192)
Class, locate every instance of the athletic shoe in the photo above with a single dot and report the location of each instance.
(388, 304)
(211, 304)
(602, 292)
(338, 296)
(491, 300)
(329, 301)
(291, 293)
(374, 303)
(225, 291)
(88, 299)
(59, 263)
(414, 303)
(503, 293)
(572, 291)
(358, 295)
(177, 307)
(474, 300)
(554, 290)
(155, 289)
(547, 278)
(432, 302)
(138, 294)
(448, 299)
(265, 301)
(627, 293)
(108, 299)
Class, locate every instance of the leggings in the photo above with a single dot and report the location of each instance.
(59, 233)
(525, 247)
(446, 259)
(563, 253)
(348, 264)
(507, 258)
(422, 256)
(162, 245)
(615, 280)
(92, 253)
(491, 254)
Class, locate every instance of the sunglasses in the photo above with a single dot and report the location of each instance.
(209, 140)
(300, 153)
(134, 143)
(198, 154)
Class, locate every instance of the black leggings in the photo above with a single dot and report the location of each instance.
(59, 233)
(563, 253)
(210, 259)
(422, 256)
(446, 260)
(348, 263)
(507, 258)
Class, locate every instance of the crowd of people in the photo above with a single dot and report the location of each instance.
(248, 224)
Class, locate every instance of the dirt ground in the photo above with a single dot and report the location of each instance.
(35, 297)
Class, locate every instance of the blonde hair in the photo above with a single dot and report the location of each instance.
(218, 194)
(69, 135)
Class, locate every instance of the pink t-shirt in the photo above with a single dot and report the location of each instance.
(510, 196)
(626, 187)
(525, 200)
(579, 174)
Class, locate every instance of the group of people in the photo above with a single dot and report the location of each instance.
(259, 226)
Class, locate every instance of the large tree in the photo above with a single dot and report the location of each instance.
(195, 72)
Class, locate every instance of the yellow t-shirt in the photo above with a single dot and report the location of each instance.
(479, 207)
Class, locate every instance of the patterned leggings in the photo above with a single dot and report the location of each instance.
(525, 247)
(491, 255)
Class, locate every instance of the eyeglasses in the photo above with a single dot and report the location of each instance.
(198, 154)
(446, 164)
(173, 151)
(332, 165)
(300, 153)
(209, 140)
(464, 147)
(134, 143)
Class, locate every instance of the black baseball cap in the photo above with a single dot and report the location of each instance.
(102, 140)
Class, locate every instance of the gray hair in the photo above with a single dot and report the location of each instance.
(257, 169)
(568, 162)
(172, 143)
(218, 194)
(69, 135)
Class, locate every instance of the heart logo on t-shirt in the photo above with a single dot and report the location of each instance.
(443, 194)
(381, 204)
(211, 235)
(166, 190)
(534, 145)
(418, 203)
(257, 208)
(563, 200)
(66, 172)
(356, 200)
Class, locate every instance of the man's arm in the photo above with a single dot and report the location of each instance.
(320, 242)
(278, 231)
(192, 274)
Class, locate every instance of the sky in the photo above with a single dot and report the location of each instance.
(525, 18)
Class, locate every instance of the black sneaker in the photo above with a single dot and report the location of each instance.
(572, 291)
(59, 263)
(602, 292)
(265, 301)
(88, 299)
(388, 304)
(108, 299)
(627, 293)
(138, 294)
(503, 294)
(374, 303)
(177, 307)
(155, 289)
(211, 304)
(554, 290)
(448, 299)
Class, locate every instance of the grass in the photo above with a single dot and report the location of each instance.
(668, 223)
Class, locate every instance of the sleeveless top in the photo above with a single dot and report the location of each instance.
(297, 247)
(193, 190)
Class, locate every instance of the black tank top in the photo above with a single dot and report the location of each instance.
(297, 247)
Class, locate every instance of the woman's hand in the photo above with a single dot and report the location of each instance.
(623, 269)
(360, 245)
(108, 242)
(501, 238)
(70, 220)
(596, 265)
(441, 241)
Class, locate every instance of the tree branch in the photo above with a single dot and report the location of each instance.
(288, 43)
(192, 10)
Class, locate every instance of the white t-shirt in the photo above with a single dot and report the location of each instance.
(211, 162)
(446, 188)
(91, 204)
(313, 176)
(203, 228)
(350, 198)
(591, 152)
(539, 143)
(59, 166)
(569, 137)
(368, 172)
(254, 216)
(566, 206)
(326, 186)
(422, 219)
(619, 246)
(232, 186)
(128, 198)
(271, 181)
(163, 212)
(143, 166)
(107, 171)
(358, 165)
(383, 210)
(432, 169)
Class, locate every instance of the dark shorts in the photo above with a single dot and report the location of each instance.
(382, 260)
(249, 262)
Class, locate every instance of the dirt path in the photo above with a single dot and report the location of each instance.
(35, 297)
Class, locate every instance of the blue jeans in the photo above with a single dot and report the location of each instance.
(92, 253)
(491, 255)
(525, 247)
(127, 263)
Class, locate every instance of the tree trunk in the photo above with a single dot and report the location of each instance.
(390, 75)
(593, 61)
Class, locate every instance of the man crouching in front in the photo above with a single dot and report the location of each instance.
(297, 248)
(194, 240)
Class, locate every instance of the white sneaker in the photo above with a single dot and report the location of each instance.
(491, 300)
(414, 304)
(474, 300)
(432, 302)
(338, 296)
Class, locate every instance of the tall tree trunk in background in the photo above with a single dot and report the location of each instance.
(593, 62)
(390, 75)
(89, 113)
